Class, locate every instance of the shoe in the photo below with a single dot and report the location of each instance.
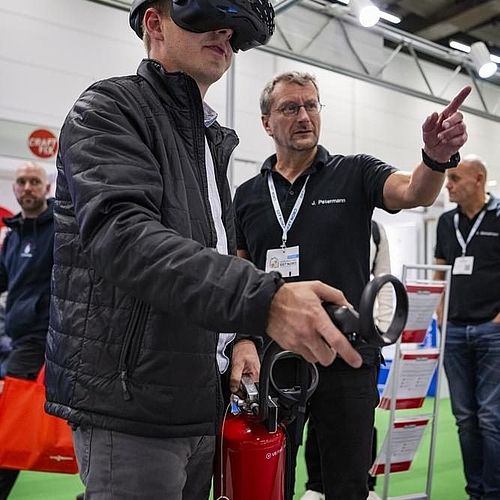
(373, 496)
(81, 496)
(312, 495)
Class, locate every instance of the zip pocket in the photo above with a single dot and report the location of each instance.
(132, 342)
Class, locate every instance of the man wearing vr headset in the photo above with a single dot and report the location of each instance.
(141, 286)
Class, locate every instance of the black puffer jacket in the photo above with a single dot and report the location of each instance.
(138, 293)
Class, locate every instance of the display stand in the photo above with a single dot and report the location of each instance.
(392, 440)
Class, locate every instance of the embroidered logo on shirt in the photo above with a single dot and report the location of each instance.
(27, 251)
(332, 201)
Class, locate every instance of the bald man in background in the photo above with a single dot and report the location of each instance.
(468, 238)
(25, 269)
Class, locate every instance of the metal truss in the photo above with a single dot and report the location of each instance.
(452, 61)
(327, 13)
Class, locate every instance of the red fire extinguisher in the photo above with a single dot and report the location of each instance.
(254, 460)
(251, 456)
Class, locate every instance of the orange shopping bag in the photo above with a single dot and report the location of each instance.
(29, 438)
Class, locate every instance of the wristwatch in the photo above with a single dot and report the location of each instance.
(440, 167)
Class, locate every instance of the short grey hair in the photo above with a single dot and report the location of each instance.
(298, 77)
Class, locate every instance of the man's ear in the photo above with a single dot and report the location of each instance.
(265, 124)
(153, 24)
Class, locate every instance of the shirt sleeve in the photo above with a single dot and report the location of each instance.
(438, 249)
(375, 172)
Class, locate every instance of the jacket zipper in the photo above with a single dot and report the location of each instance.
(221, 172)
(199, 139)
(131, 344)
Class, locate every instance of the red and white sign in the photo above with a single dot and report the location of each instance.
(422, 302)
(413, 379)
(43, 143)
(406, 435)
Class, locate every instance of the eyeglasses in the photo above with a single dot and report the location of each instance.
(292, 108)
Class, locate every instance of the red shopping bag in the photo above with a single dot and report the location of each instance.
(29, 438)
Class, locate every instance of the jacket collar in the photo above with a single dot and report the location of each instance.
(174, 88)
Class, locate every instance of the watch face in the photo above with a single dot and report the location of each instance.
(454, 160)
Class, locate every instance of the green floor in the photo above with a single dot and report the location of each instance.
(448, 480)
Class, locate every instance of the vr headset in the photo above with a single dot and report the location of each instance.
(252, 21)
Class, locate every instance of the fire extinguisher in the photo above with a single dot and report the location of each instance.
(251, 456)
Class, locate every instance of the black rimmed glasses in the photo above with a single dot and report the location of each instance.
(292, 108)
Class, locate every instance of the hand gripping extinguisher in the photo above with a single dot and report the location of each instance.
(251, 456)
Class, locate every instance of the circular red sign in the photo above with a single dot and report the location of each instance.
(43, 143)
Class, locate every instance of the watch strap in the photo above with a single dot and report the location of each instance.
(440, 167)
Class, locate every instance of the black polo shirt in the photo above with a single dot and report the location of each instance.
(474, 298)
(332, 227)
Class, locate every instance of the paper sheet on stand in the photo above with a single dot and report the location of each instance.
(405, 439)
(416, 369)
(422, 302)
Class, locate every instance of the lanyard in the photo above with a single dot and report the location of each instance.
(277, 209)
(472, 232)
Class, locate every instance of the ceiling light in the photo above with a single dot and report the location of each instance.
(367, 13)
(459, 46)
(383, 15)
(390, 17)
(480, 55)
(465, 48)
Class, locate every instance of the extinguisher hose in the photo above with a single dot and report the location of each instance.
(301, 407)
(222, 496)
(289, 466)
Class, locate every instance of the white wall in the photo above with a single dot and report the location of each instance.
(51, 50)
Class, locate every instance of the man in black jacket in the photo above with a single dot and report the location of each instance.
(143, 280)
(25, 267)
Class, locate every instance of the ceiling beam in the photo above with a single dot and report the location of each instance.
(467, 17)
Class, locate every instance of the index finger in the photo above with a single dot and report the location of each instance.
(346, 351)
(235, 378)
(338, 341)
(329, 294)
(457, 101)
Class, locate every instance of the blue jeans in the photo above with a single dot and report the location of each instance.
(472, 365)
(118, 466)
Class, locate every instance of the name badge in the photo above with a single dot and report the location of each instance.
(283, 260)
(463, 265)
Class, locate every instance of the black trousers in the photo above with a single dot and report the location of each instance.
(313, 461)
(24, 361)
(342, 413)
